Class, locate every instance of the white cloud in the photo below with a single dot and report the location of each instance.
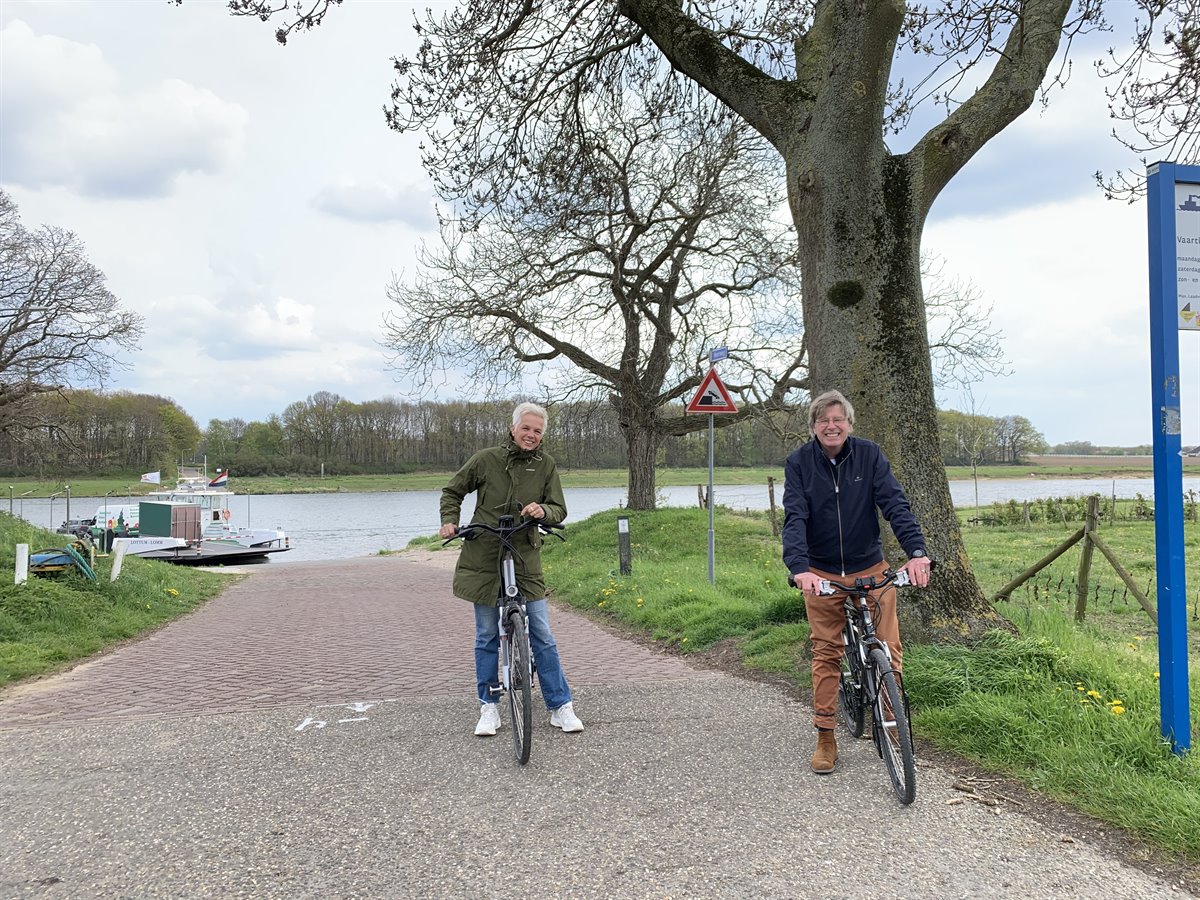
(69, 122)
(378, 202)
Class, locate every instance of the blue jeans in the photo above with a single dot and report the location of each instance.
(555, 691)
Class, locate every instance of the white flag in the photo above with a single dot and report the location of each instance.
(151, 478)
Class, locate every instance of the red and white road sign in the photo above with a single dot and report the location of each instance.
(712, 396)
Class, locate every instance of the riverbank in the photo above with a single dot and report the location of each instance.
(1042, 467)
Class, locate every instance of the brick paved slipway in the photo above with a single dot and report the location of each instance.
(374, 628)
(308, 734)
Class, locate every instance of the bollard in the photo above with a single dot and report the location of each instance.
(122, 545)
(624, 551)
(22, 573)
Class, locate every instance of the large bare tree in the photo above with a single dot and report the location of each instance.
(60, 326)
(816, 78)
(613, 268)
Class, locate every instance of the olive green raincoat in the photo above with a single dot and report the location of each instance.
(506, 479)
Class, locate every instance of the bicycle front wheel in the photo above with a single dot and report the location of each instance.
(520, 687)
(891, 732)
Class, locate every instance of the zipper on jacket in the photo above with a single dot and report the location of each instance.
(837, 499)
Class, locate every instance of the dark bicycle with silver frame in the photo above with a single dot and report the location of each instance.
(869, 681)
(516, 667)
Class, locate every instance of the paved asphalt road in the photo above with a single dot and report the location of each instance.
(309, 734)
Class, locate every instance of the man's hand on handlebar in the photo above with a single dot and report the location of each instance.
(807, 582)
(533, 511)
(448, 530)
(918, 570)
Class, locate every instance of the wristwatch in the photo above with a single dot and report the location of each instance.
(916, 553)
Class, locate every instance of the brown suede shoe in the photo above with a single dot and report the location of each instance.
(824, 760)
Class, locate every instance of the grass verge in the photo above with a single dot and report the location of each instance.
(53, 621)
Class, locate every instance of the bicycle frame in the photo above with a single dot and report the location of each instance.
(509, 601)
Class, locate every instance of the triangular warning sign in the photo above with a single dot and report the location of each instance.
(712, 396)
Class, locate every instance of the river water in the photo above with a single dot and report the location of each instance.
(340, 526)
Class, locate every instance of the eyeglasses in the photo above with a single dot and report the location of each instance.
(839, 420)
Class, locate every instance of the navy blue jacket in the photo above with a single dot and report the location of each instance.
(829, 519)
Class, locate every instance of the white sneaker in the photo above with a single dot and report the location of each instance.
(564, 717)
(489, 719)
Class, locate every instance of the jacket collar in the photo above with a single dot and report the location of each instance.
(515, 453)
(843, 454)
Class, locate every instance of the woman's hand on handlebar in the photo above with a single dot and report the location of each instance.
(807, 582)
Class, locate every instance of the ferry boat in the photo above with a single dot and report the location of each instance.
(190, 524)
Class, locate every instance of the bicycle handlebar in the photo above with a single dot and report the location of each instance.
(897, 577)
(467, 532)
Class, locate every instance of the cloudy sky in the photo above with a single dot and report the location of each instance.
(249, 201)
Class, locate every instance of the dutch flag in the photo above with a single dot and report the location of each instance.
(220, 481)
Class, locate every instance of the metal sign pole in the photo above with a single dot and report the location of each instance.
(712, 543)
(1168, 246)
(711, 397)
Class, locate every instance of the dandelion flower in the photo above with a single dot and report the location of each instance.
(1095, 694)
(173, 592)
(1118, 710)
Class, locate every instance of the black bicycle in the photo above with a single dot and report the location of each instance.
(868, 680)
(516, 656)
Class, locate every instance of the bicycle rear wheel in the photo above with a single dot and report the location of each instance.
(891, 732)
(520, 687)
(850, 690)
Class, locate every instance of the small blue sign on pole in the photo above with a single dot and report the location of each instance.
(718, 354)
(1172, 192)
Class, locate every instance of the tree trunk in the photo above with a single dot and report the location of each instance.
(864, 319)
(642, 443)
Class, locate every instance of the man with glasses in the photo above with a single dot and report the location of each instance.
(516, 478)
(833, 486)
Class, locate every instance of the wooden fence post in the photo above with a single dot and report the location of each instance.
(1085, 557)
(771, 495)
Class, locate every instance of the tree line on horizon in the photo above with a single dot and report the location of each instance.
(117, 433)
